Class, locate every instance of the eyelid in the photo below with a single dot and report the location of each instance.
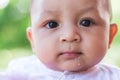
(43, 20)
(46, 24)
(43, 23)
(87, 18)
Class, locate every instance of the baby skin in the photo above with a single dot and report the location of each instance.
(71, 35)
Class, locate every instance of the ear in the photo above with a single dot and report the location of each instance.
(113, 31)
(29, 36)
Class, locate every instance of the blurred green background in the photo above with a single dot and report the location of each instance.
(14, 19)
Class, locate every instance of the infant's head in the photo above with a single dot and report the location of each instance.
(71, 35)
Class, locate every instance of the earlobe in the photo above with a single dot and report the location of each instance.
(29, 35)
(113, 31)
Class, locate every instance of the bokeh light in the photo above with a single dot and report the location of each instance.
(3, 3)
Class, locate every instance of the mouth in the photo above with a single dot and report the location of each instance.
(70, 55)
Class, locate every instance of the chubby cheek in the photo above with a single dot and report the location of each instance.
(45, 48)
(96, 47)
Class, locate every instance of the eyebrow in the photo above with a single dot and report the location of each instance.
(87, 9)
(57, 13)
(48, 14)
(51, 12)
(82, 11)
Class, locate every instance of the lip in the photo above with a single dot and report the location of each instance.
(70, 54)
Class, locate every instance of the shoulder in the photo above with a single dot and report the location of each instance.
(108, 70)
(22, 61)
(106, 67)
(24, 68)
(24, 64)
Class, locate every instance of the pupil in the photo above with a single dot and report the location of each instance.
(85, 23)
(53, 24)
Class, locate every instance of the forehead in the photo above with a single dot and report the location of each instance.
(60, 5)
(56, 4)
(39, 7)
(42, 4)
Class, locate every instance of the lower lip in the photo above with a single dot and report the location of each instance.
(70, 54)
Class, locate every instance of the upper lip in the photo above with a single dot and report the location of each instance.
(69, 52)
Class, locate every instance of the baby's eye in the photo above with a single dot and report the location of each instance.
(86, 22)
(52, 24)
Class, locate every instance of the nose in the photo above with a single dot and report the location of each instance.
(70, 35)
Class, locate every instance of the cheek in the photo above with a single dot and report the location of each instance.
(45, 51)
(96, 44)
(95, 50)
(45, 48)
(100, 37)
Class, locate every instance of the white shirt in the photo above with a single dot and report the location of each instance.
(30, 68)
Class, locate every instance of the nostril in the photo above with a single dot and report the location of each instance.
(75, 39)
(70, 40)
(63, 40)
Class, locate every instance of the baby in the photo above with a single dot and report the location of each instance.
(69, 38)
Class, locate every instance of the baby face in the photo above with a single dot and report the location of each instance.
(69, 35)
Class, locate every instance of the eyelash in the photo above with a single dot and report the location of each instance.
(86, 22)
(52, 24)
